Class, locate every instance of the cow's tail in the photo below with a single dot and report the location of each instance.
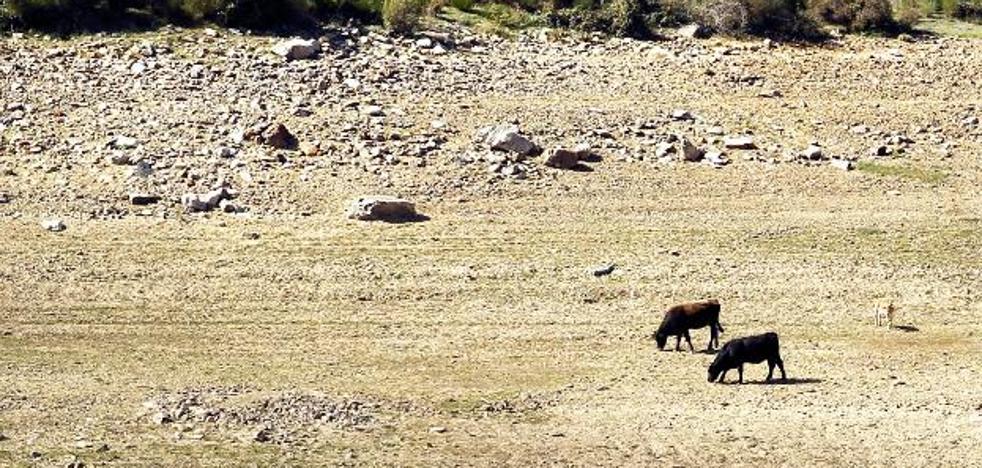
(719, 326)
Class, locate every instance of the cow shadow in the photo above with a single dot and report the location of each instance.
(790, 381)
(580, 167)
(907, 328)
(592, 158)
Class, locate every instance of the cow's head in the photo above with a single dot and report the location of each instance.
(716, 367)
(661, 338)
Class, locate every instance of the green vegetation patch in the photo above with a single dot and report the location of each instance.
(929, 176)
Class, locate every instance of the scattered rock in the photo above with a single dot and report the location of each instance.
(120, 158)
(743, 142)
(263, 435)
(604, 270)
(690, 152)
(438, 430)
(693, 31)
(277, 136)
(195, 202)
(227, 206)
(508, 138)
(813, 153)
(4, 198)
(682, 114)
(142, 199)
(373, 111)
(561, 158)
(882, 150)
(160, 418)
(297, 49)
(122, 142)
(860, 130)
(310, 149)
(664, 149)
(142, 169)
(382, 208)
(717, 158)
(54, 225)
(843, 164)
(770, 93)
(226, 152)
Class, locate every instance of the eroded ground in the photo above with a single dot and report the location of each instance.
(289, 335)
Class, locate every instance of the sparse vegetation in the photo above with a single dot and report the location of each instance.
(402, 16)
(854, 15)
(634, 18)
(913, 173)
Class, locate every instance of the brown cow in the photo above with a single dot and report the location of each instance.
(684, 317)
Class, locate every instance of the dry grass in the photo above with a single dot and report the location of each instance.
(491, 299)
(461, 310)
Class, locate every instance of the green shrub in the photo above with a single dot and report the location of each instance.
(855, 15)
(737, 17)
(968, 10)
(402, 16)
(627, 18)
(462, 5)
(908, 15)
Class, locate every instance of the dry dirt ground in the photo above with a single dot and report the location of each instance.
(288, 335)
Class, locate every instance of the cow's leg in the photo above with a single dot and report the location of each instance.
(770, 369)
(688, 339)
(780, 365)
(723, 375)
(678, 342)
(740, 370)
(712, 337)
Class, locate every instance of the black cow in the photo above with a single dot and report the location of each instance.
(680, 319)
(752, 349)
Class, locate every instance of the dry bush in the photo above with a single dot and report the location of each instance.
(402, 16)
(907, 17)
(855, 15)
(723, 16)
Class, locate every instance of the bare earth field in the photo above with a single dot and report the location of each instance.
(288, 335)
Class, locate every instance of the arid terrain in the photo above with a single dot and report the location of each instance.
(284, 333)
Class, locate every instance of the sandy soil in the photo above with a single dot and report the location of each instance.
(480, 337)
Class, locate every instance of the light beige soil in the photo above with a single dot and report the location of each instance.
(485, 320)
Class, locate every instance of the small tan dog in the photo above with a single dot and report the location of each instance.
(884, 316)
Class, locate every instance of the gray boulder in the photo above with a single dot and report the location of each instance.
(382, 208)
(690, 152)
(744, 142)
(562, 158)
(198, 202)
(813, 153)
(54, 225)
(297, 49)
(507, 137)
(694, 31)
